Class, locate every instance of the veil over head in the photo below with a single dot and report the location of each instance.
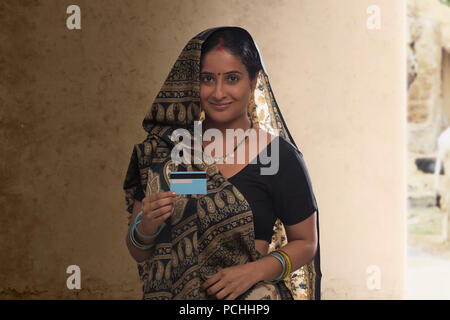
(205, 232)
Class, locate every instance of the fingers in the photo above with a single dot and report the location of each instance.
(223, 293)
(215, 288)
(210, 281)
(160, 200)
(156, 209)
(231, 296)
(221, 290)
(160, 195)
(227, 284)
(161, 211)
(163, 218)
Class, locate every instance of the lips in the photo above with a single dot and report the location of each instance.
(222, 106)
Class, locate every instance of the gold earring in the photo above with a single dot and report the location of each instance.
(202, 116)
(251, 105)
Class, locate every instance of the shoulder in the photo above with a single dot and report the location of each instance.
(289, 152)
(286, 144)
(281, 157)
(267, 136)
(286, 149)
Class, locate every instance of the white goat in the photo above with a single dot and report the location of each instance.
(443, 148)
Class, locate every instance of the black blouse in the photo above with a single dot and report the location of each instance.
(287, 194)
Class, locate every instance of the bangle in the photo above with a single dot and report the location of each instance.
(144, 236)
(280, 258)
(138, 244)
(288, 260)
(283, 262)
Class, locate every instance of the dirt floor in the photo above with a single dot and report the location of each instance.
(428, 270)
(428, 263)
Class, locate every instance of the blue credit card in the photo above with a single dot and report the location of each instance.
(188, 182)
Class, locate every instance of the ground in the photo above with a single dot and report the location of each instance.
(428, 271)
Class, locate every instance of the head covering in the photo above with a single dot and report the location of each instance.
(205, 233)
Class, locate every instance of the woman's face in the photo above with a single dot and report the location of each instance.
(224, 86)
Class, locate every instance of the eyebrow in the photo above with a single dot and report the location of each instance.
(233, 71)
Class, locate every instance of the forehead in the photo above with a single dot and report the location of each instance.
(221, 61)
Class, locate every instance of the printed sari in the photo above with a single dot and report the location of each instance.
(206, 232)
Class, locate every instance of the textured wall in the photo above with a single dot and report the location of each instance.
(72, 103)
(428, 97)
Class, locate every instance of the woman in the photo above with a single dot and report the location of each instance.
(215, 245)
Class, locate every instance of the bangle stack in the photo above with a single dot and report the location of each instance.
(285, 261)
(136, 243)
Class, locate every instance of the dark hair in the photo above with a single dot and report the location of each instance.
(239, 42)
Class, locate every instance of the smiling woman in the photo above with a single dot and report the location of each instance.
(228, 67)
(222, 90)
(215, 245)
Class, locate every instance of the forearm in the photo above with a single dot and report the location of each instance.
(138, 254)
(300, 253)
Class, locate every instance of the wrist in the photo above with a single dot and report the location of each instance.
(140, 239)
(267, 268)
(259, 269)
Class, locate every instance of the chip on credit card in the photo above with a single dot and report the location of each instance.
(188, 182)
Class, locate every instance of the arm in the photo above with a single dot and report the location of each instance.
(156, 209)
(137, 254)
(301, 248)
(293, 199)
(231, 282)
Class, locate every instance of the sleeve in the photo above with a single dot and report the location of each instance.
(294, 199)
(132, 184)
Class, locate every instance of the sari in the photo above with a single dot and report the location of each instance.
(212, 231)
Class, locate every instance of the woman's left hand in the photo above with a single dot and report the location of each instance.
(230, 283)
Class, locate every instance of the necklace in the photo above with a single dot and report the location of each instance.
(235, 148)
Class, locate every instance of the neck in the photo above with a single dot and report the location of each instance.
(239, 123)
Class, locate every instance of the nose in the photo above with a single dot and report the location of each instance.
(219, 90)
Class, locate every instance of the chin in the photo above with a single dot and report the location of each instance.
(220, 116)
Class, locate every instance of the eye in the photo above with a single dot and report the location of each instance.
(206, 78)
(233, 78)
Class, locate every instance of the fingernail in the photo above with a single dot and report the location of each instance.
(173, 192)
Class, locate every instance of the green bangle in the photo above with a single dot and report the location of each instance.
(136, 243)
(288, 262)
(283, 262)
(280, 258)
(153, 235)
(144, 236)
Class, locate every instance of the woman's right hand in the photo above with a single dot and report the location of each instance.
(156, 209)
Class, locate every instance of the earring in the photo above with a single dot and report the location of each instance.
(202, 116)
(251, 106)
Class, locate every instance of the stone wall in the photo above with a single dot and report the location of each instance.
(428, 37)
(428, 52)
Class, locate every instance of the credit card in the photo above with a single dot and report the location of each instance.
(188, 182)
